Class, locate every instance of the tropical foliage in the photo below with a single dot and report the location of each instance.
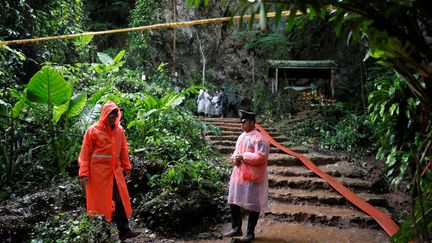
(398, 116)
(27, 19)
(43, 131)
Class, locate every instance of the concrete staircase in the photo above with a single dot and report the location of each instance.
(303, 207)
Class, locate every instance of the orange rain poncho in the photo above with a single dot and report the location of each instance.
(248, 187)
(103, 158)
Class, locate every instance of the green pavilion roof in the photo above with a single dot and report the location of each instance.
(302, 64)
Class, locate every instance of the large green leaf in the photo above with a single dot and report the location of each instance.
(48, 87)
(59, 111)
(393, 108)
(151, 102)
(167, 98)
(19, 54)
(77, 104)
(89, 115)
(83, 41)
(172, 100)
(148, 113)
(105, 59)
(94, 99)
(119, 56)
(16, 110)
(117, 65)
(71, 108)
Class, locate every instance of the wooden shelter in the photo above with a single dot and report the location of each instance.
(303, 75)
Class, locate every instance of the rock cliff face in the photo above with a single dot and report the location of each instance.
(226, 59)
(228, 62)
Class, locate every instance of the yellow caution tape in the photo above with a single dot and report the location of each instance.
(140, 28)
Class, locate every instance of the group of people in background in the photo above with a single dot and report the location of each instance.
(212, 106)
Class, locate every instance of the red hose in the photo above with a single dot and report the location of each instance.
(384, 220)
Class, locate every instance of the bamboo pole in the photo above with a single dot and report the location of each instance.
(141, 28)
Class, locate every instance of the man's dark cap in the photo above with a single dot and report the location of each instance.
(246, 115)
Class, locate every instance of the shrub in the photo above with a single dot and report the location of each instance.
(352, 133)
(178, 211)
(70, 227)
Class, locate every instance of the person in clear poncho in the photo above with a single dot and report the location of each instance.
(216, 108)
(201, 103)
(248, 186)
(207, 103)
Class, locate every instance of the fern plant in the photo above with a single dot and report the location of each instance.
(398, 119)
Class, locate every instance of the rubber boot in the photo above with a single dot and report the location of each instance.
(252, 222)
(236, 222)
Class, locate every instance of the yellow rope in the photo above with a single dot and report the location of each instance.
(174, 38)
(148, 27)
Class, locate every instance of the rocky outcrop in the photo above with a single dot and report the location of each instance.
(228, 62)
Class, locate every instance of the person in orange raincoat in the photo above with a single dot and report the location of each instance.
(102, 160)
(248, 186)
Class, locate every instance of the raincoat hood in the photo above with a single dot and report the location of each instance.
(106, 109)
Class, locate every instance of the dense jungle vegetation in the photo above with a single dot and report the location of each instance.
(50, 92)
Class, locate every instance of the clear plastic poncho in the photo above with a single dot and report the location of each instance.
(248, 186)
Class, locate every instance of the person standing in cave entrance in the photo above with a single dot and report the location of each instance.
(215, 101)
(248, 186)
(102, 161)
(207, 104)
(234, 105)
(223, 102)
(201, 103)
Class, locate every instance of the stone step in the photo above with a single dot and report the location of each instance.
(233, 143)
(284, 159)
(233, 137)
(320, 197)
(233, 123)
(230, 149)
(227, 132)
(343, 217)
(229, 128)
(225, 119)
(314, 183)
(225, 123)
(237, 132)
(238, 128)
(338, 169)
